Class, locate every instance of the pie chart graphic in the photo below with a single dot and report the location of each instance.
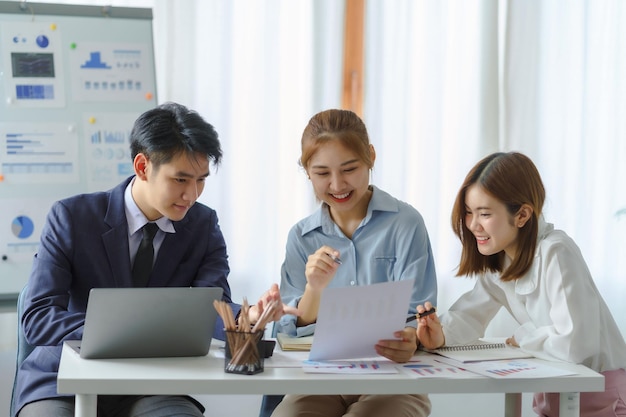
(22, 227)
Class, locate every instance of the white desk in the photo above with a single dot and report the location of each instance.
(205, 375)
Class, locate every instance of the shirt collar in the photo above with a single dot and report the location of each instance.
(527, 284)
(380, 201)
(544, 229)
(136, 219)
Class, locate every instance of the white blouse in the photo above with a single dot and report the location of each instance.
(561, 313)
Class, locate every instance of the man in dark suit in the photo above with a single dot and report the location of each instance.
(90, 241)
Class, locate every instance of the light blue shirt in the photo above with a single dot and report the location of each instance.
(390, 244)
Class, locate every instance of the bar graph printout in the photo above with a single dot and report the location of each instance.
(511, 369)
(34, 153)
(352, 320)
(429, 367)
(363, 366)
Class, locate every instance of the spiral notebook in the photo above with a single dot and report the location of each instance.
(480, 351)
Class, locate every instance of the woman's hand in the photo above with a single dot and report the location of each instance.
(511, 341)
(429, 329)
(399, 350)
(321, 267)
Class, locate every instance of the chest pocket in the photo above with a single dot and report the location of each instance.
(383, 268)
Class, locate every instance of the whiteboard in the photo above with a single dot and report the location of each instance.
(73, 79)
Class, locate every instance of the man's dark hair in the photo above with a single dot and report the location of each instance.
(172, 129)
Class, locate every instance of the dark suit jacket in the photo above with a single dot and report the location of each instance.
(84, 245)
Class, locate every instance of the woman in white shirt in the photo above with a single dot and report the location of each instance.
(538, 274)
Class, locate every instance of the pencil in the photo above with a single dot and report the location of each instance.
(420, 315)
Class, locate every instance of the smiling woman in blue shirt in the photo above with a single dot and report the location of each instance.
(360, 235)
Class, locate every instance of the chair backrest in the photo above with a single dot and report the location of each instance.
(23, 347)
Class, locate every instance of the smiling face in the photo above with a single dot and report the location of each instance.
(491, 223)
(171, 188)
(340, 178)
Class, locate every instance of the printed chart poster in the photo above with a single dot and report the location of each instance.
(112, 72)
(31, 66)
(38, 153)
(107, 149)
(24, 219)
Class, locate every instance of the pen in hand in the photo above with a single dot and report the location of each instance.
(420, 315)
(335, 258)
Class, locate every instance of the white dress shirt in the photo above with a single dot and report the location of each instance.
(561, 313)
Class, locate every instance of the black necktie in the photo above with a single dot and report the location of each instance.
(145, 256)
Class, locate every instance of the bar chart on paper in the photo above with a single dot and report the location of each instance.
(352, 320)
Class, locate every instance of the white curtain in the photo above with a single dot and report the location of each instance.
(256, 70)
(432, 108)
(446, 82)
(564, 85)
(450, 81)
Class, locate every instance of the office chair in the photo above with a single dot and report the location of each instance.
(23, 347)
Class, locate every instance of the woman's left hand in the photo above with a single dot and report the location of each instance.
(511, 341)
(399, 350)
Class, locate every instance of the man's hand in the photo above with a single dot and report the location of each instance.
(270, 307)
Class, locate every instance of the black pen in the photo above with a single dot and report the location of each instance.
(420, 315)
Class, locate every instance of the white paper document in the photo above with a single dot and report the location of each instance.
(351, 320)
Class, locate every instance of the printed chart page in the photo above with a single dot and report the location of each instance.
(352, 320)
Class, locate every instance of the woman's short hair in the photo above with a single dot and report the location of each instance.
(513, 179)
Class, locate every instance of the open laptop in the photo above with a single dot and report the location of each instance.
(149, 322)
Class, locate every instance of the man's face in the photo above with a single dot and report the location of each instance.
(172, 188)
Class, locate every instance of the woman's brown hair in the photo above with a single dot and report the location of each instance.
(513, 179)
(342, 125)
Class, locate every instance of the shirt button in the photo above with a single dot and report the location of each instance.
(352, 283)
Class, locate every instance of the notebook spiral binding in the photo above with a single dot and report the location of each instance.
(457, 348)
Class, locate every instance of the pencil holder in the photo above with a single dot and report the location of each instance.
(243, 352)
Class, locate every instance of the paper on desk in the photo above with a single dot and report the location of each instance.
(511, 369)
(427, 366)
(351, 320)
(378, 365)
